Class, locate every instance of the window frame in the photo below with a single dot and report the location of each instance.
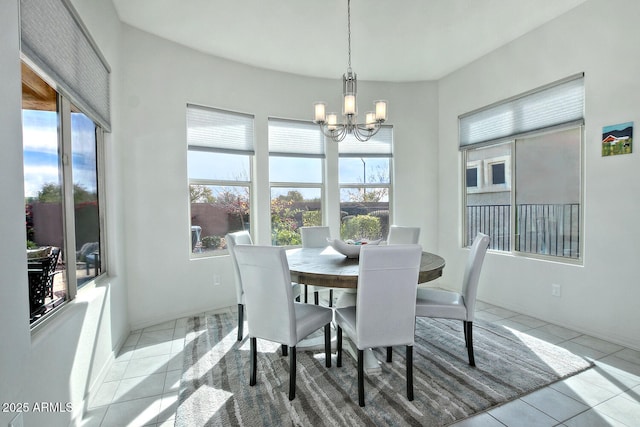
(305, 151)
(488, 174)
(523, 116)
(64, 138)
(477, 165)
(247, 151)
(510, 168)
(383, 149)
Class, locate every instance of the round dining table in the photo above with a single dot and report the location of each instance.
(329, 268)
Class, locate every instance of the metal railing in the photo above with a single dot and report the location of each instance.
(546, 229)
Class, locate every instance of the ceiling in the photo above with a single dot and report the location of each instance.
(391, 40)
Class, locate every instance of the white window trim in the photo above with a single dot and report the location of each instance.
(488, 174)
(477, 165)
(68, 215)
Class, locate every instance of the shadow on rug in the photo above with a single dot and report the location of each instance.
(214, 388)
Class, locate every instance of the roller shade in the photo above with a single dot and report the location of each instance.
(54, 38)
(556, 105)
(380, 145)
(295, 138)
(210, 129)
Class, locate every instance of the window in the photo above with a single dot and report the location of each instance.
(488, 205)
(530, 198)
(220, 151)
(296, 165)
(472, 177)
(497, 173)
(365, 186)
(548, 193)
(64, 241)
(65, 112)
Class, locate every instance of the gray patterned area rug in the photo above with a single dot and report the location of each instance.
(215, 389)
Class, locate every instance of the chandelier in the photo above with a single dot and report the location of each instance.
(328, 122)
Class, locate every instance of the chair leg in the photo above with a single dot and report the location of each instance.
(339, 347)
(389, 354)
(464, 328)
(316, 298)
(292, 373)
(284, 350)
(469, 329)
(410, 372)
(306, 294)
(327, 344)
(240, 320)
(361, 377)
(253, 351)
(330, 297)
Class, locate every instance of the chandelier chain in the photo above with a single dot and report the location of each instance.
(328, 122)
(349, 29)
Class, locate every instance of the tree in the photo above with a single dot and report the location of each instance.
(52, 193)
(361, 227)
(236, 203)
(292, 196)
(379, 175)
(200, 194)
(283, 223)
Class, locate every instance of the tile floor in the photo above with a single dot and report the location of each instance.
(141, 388)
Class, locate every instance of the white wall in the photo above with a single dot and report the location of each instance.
(63, 360)
(159, 78)
(13, 281)
(147, 201)
(600, 297)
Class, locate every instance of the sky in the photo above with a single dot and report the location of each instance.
(41, 157)
(217, 166)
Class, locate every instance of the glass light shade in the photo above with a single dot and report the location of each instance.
(332, 121)
(320, 114)
(349, 106)
(381, 110)
(370, 120)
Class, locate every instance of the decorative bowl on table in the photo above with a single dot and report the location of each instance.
(351, 248)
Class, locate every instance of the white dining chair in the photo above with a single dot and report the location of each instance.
(315, 237)
(445, 304)
(243, 238)
(272, 313)
(234, 239)
(384, 314)
(403, 235)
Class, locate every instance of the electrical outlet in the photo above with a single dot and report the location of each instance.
(216, 280)
(17, 421)
(556, 290)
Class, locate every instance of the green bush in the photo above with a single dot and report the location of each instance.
(211, 242)
(286, 237)
(361, 227)
(311, 218)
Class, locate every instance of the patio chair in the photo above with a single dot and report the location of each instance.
(41, 273)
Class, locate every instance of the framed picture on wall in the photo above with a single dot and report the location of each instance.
(617, 139)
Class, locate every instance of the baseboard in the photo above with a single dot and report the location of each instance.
(76, 418)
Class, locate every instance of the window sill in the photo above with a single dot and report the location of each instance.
(65, 309)
(579, 262)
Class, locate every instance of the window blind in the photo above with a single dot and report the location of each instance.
(558, 104)
(210, 129)
(295, 138)
(53, 37)
(380, 145)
